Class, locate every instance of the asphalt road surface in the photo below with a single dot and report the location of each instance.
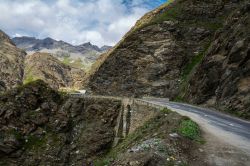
(225, 133)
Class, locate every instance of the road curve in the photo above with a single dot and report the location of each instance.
(228, 130)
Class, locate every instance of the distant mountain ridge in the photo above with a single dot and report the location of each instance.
(87, 53)
(32, 43)
(18, 68)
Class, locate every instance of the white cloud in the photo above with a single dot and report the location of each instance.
(102, 22)
(18, 35)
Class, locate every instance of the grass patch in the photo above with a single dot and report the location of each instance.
(159, 15)
(190, 66)
(187, 72)
(189, 129)
(34, 142)
(104, 162)
(164, 13)
(76, 63)
(175, 12)
(166, 111)
(29, 78)
(179, 98)
(66, 60)
(171, 13)
(194, 62)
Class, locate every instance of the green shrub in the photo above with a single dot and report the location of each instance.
(34, 142)
(190, 66)
(170, 14)
(66, 60)
(104, 162)
(189, 129)
(166, 111)
(29, 78)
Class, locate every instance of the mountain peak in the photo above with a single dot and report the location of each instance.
(86, 44)
(89, 45)
(49, 39)
(86, 52)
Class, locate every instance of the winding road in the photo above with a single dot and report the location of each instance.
(228, 138)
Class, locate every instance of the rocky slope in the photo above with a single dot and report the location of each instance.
(223, 77)
(46, 67)
(85, 53)
(11, 63)
(159, 55)
(38, 126)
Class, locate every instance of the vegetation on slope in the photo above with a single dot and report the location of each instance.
(48, 68)
(187, 72)
(189, 129)
(76, 63)
(39, 126)
(154, 136)
(159, 54)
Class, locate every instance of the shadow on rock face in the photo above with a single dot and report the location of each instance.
(2, 86)
(35, 120)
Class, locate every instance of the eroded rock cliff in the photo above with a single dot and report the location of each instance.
(11, 63)
(223, 77)
(154, 56)
(188, 50)
(38, 126)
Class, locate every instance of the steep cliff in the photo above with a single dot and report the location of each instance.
(189, 50)
(38, 126)
(154, 57)
(46, 67)
(11, 63)
(223, 77)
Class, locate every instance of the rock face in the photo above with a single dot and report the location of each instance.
(192, 50)
(154, 56)
(77, 56)
(223, 77)
(40, 127)
(46, 67)
(11, 63)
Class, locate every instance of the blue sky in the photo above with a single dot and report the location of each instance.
(101, 22)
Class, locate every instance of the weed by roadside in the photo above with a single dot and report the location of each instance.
(190, 129)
